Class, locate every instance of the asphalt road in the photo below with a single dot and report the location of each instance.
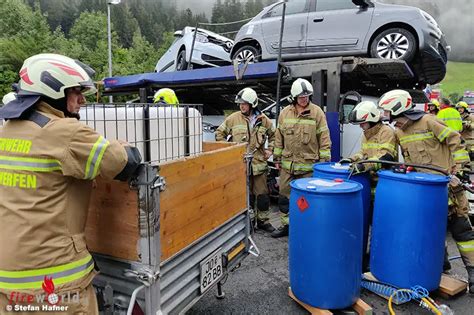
(260, 286)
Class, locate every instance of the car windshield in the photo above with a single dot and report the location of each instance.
(469, 99)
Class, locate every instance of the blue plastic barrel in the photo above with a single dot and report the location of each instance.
(325, 242)
(335, 170)
(409, 229)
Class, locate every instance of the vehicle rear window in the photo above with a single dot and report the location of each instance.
(292, 7)
(327, 5)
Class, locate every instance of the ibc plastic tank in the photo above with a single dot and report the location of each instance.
(409, 229)
(325, 242)
(333, 170)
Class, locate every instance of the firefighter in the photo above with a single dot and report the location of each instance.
(433, 107)
(251, 126)
(449, 115)
(467, 128)
(302, 139)
(166, 96)
(48, 161)
(378, 141)
(425, 140)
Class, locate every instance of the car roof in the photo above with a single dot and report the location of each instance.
(189, 29)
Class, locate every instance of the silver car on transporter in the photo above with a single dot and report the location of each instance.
(329, 28)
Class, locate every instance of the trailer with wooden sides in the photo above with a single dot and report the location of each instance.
(175, 231)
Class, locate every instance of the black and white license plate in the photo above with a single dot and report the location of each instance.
(211, 270)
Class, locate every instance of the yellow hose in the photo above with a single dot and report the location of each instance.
(425, 300)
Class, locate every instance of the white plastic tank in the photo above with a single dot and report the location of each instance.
(173, 132)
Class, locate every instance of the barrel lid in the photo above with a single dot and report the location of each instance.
(325, 186)
(332, 168)
(415, 177)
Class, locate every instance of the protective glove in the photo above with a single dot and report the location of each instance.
(358, 168)
(345, 161)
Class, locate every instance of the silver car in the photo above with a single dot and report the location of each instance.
(210, 50)
(327, 28)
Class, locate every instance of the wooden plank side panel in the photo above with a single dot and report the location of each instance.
(112, 226)
(201, 194)
(212, 146)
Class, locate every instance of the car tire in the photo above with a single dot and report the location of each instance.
(247, 52)
(181, 63)
(394, 43)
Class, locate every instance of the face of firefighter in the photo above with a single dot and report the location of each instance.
(302, 101)
(74, 100)
(461, 110)
(245, 108)
(364, 126)
(431, 108)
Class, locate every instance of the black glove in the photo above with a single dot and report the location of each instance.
(345, 161)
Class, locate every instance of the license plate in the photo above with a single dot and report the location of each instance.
(211, 270)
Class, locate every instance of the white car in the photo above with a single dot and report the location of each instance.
(210, 50)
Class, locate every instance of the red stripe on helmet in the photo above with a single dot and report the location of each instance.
(365, 116)
(388, 101)
(68, 69)
(24, 76)
(408, 103)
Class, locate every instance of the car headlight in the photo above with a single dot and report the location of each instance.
(202, 38)
(428, 18)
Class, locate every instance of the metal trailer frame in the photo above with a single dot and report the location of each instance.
(171, 286)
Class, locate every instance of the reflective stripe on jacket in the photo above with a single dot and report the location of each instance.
(377, 142)
(302, 139)
(428, 141)
(47, 163)
(237, 126)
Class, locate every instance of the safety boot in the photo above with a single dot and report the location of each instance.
(470, 277)
(446, 263)
(281, 231)
(265, 226)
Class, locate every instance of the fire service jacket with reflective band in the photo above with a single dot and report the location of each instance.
(428, 141)
(301, 139)
(378, 142)
(47, 164)
(238, 125)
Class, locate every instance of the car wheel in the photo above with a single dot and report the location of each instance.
(245, 53)
(181, 63)
(394, 43)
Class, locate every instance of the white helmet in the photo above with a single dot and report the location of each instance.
(396, 101)
(8, 98)
(50, 74)
(301, 87)
(247, 95)
(364, 112)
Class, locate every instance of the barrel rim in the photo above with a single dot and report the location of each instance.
(425, 178)
(328, 190)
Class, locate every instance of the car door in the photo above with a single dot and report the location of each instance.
(337, 25)
(294, 35)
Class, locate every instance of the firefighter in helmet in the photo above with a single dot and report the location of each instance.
(166, 96)
(251, 126)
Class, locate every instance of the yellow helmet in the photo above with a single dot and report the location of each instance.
(435, 102)
(165, 96)
(462, 104)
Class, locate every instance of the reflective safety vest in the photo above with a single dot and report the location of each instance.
(302, 139)
(451, 118)
(47, 164)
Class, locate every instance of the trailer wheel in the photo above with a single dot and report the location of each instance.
(247, 52)
(181, 63)
(394, 43)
